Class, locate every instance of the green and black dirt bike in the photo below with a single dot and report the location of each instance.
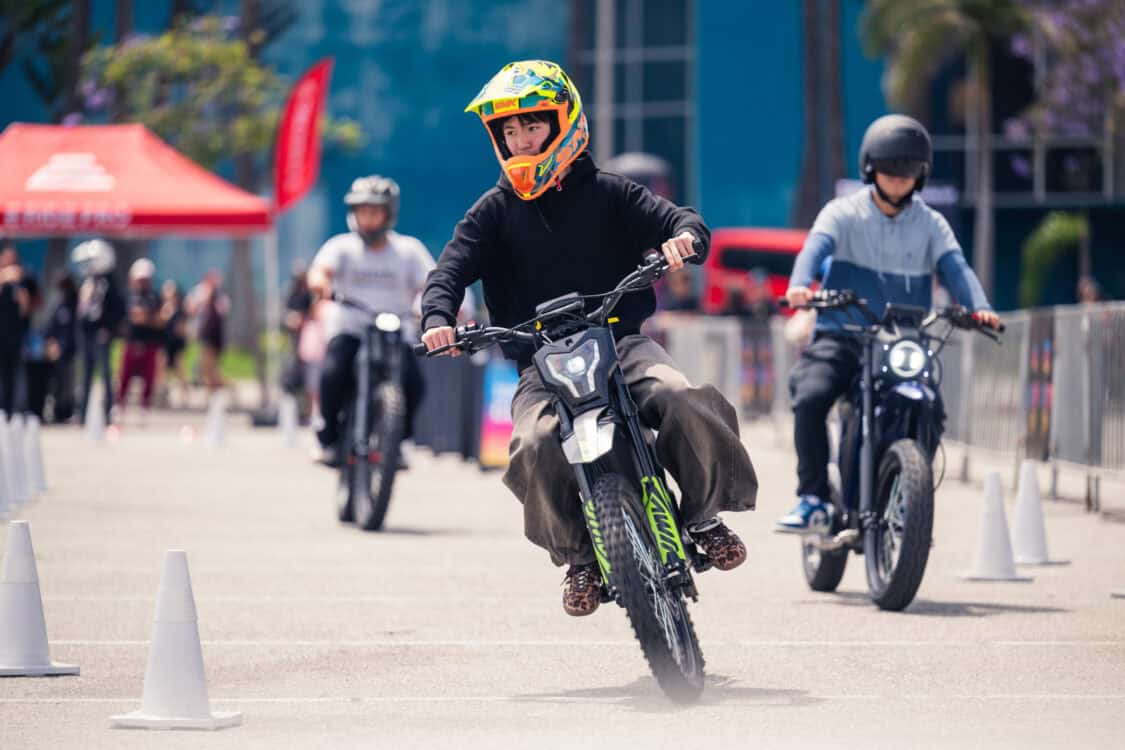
(645, 555)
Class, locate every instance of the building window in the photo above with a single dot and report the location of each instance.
(633, 61)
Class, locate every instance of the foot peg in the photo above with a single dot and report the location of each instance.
(845, 538)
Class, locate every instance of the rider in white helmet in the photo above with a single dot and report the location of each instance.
(380, 269)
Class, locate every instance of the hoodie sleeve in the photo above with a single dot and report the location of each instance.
(657, 219)
(457, 268)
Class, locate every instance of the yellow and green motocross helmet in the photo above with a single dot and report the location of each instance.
(522, 88)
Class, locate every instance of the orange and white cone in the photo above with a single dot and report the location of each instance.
(175, 688)
(24, 651)
(994, 547)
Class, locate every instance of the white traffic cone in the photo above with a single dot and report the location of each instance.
(33, 444)
(994, 547)
(23, 631)
(7, 503)
(175, 689)
(19, 453)
(1029, 534)
(287, 420)
(216, 419)
(95, 415)
(9, 473)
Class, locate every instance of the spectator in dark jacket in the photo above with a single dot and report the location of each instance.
(61, 347)
(15, 307)
(100, 312)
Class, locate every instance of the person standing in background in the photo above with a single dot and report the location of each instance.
(15, 310)
(145, 336)
(210, 306)
(61, 346)
(174, 323)
(100, 311)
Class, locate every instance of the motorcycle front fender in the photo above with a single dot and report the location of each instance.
(590, 438)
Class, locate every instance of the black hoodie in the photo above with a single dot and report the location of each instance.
(584, 237)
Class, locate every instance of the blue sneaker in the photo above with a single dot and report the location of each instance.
(811, 516)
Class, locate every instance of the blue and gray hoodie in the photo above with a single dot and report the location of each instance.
(884, 259)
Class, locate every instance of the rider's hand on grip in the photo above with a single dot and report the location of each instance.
(435, 338)
(798, 295)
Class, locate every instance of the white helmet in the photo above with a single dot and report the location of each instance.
(93, 257)
(373, 190)
(142, 268)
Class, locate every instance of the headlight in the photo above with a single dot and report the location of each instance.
(907, 359)
(576, 370)
(387, 322)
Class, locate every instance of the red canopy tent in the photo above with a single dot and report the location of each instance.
(114, 180)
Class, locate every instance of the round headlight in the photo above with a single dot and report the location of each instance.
(907, 359)
(576, 365)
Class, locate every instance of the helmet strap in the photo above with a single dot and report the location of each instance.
(901, 202)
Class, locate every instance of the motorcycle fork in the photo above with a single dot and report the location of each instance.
(866, 448)
(658, 505)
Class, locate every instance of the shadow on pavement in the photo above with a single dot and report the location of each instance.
(930, 608)
(644, 695)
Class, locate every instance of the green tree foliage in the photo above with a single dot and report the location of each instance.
(198, 88)
(1059, 234)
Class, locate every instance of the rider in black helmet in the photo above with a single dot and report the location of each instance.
(886, 244)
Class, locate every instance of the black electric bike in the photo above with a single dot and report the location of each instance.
(374, 423)
(644, 553)
(891, 420)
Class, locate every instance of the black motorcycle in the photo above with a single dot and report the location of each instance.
(645, 556)
(374, 423)
(890, 421)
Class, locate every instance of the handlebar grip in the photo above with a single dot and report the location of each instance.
(420, 349)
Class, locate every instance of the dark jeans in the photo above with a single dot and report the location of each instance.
(95, 356)
(826, 370)
(337, 385)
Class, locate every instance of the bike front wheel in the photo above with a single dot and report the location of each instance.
(897, 545)
(657, 612)
(373, 473)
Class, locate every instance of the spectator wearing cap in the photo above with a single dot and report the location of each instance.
(146, 332)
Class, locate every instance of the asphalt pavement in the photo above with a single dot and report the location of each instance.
(446, 630)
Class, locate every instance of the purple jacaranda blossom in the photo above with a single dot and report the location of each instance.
(74, 118)
(1020, 165)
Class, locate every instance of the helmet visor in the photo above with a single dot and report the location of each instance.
(911, 168)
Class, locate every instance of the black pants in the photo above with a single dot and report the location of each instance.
(337, 385)
(95, 357)
(827, 368)
(10, 361)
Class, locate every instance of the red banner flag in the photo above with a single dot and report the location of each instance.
(297, 153)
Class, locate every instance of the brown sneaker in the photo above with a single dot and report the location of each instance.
(720, 544)
(582, 590)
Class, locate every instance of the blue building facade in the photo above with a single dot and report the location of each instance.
(714, 87)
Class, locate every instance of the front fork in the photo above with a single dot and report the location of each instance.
(866, 449)
(659, 506)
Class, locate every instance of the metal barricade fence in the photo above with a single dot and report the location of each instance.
(1052, 391)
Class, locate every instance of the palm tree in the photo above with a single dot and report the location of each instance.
(919, 37)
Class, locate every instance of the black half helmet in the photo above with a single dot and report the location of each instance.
(896, 145)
